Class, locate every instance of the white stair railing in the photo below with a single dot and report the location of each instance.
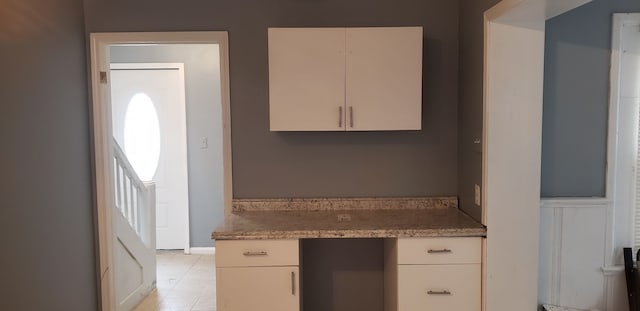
(135, 199)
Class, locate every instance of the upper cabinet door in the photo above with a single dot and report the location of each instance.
(307, 79)
(384, 78)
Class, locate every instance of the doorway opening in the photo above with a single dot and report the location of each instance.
(149, 122)
(162, 152)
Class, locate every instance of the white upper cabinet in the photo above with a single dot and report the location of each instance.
(384, 78)
(354, 79)
(306, 79)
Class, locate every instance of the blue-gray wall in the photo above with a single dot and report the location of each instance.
(46, 210)
(309, 164)
(576, 90)
(204, 119)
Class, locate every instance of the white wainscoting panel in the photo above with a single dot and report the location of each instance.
(575, 249)
(582, 257)
(616, 289)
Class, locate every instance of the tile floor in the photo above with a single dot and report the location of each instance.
(185, 283)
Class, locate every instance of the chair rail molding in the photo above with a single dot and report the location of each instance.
(575, 202)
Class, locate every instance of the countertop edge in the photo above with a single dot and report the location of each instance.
(345, 234)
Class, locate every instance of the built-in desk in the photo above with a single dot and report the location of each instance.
(396, 254)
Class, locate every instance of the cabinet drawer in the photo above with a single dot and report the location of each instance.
(419, 251)
(439, 287)
(257, 253)
(258, 288)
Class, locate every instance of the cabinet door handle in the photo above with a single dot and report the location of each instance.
(260, 253)
(340, 117)
(440, 293)
(293, 283)
(439, 251)
(351, 116)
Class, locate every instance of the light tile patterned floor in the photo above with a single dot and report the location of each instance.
(185, 283)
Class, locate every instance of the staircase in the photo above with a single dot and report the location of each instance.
(134, 227)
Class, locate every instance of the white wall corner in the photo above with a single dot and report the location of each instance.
(512, 119)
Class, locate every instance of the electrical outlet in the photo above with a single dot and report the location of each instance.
(204, 143)
(477, 194)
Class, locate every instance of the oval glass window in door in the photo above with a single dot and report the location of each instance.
(142, 136)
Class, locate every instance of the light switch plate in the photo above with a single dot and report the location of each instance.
(477, 195)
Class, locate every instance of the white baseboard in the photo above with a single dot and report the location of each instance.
(203, 250)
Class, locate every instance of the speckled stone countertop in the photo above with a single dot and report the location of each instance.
(347, 218)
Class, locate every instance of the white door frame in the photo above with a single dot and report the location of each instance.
(621, 153)
(102, 133)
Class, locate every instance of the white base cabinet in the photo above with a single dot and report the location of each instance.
(420, 274)
(433, 274)
(258, 275)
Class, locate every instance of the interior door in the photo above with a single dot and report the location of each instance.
(163, 86)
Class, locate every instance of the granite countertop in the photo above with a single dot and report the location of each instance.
(347, 218)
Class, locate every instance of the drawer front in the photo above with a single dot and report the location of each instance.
(258, 288)
(257, 253)
(438, 251)
(439, 287)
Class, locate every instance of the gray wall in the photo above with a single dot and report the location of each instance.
(471, 101)
(204, 119)
(46, 218)
(576, 90)
(267, 164)
(343, 274)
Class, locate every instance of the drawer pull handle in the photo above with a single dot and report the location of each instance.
(440, 293)
(293, 283)
(340, 117)
(262, 253)
(351, 116)
(439, 251)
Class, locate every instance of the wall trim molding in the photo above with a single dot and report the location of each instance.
(202, 250)
(622, 129)
(567, 202)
